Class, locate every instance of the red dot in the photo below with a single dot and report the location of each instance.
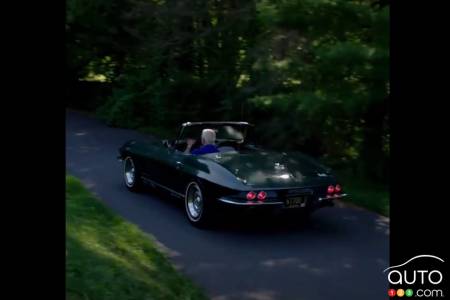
(391, 293)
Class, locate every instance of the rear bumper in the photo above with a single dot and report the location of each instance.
(332, 197)
(258, 203)
(315, 202)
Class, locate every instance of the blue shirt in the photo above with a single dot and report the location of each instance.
(205, 149)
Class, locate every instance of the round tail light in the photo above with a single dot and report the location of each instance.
(262, 196)
(251, 196)
(330, 189)
(338, 188)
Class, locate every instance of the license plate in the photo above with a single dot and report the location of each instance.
(296, 202)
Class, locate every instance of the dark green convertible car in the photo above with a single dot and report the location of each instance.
(239, 174)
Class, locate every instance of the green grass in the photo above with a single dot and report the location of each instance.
(109, 258)
(365, 193)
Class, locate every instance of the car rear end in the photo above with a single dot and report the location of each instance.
(297, 198)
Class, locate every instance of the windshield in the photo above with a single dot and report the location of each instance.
(224, 132)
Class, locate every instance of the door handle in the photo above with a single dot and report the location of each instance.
(178, 164)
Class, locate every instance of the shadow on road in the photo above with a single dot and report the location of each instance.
(242, 256)
(254, 223)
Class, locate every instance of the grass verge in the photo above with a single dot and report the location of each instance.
(365, 193)
(109, 258)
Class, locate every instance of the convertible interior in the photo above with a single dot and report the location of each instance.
(223, 145)
(228, 138)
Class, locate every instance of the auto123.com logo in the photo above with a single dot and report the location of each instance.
(419, 277)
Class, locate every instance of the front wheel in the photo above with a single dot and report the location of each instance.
(198, 211)
(131, 175)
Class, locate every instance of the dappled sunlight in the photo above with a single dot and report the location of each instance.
(118, 269)
(90, 185)
(261, 295)
(249, 295)
(280, 262)
(382, 262)
(312, 76)
(347, 266)
(91, 242)
(281, 64)
(211, 266)
(108, 244)
(87, 149)
(313, 270)
(350, 218)
(166, 250)
(114, 244)
(269, 248)
(106, 254)
(293, 262)
(382, 225)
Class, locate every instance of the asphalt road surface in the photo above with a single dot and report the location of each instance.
(340, 253)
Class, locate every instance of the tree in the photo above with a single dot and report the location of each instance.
(312, 74)
(331, 59)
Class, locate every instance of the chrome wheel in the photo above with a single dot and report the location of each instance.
(129, 172)
(194, 202)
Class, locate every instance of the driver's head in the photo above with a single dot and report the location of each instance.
(208, 136)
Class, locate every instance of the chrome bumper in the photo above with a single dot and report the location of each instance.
(228, 201)
(332, 197)
(239, 203)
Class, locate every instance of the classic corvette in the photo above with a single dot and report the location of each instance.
(240, 175)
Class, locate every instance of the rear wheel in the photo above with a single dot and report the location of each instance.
(198, 210)
(131, 175)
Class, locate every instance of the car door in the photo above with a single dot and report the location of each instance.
(176, 165)
(186, 168)
(158, 165)
(150, 158)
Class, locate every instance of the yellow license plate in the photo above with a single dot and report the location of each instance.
(296, 202)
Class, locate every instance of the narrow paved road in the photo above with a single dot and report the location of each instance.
(339, 254)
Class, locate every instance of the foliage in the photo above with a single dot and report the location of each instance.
(331, 60)
(365, 193)
(313, 75)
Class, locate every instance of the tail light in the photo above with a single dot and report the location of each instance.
(338, 188)
(330, 189)
(262, 196)
(251, 196)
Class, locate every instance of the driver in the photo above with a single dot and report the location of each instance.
(208, 143)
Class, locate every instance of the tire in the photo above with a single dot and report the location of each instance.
(131, 175)
(198, 210)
